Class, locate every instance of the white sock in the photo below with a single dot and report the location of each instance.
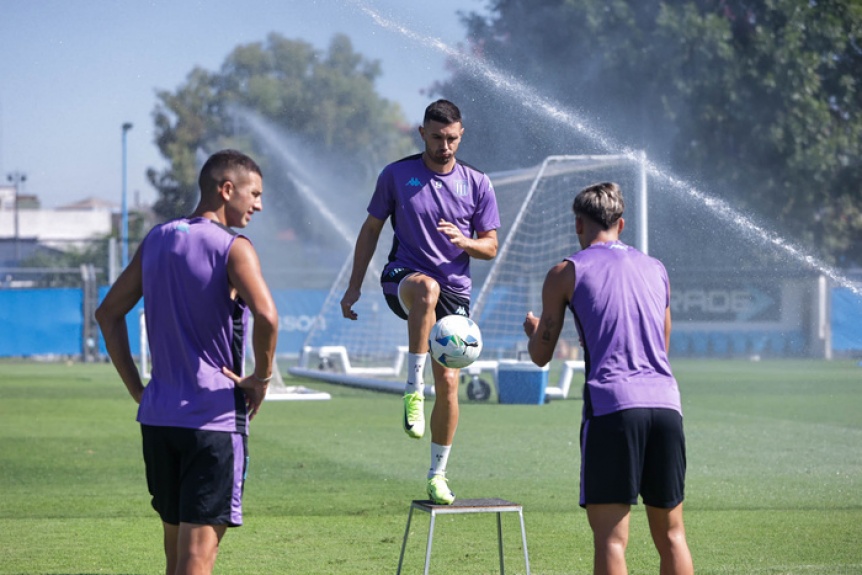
(439, 458)
(415, 373)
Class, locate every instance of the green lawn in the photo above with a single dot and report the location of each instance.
(774, 481)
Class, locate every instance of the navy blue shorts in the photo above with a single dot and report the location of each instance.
(447, 304)
(631, 452)
(195, 476)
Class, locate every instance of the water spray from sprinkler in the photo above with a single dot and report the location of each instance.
(529, 96)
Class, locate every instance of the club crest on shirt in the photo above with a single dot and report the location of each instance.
(462, 188)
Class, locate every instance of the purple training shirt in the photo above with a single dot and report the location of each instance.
(194, 328)
(619, 304)
(416, 199)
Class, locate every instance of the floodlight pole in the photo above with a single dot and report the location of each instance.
(124, 234)
(17, 178)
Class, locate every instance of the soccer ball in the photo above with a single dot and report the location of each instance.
(455, 341)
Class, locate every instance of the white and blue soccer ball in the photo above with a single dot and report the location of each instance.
(455, 341)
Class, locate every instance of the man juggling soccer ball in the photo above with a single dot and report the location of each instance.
(443, 212)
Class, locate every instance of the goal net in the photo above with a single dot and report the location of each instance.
(370, 351)
(539, 235)
(537, 231)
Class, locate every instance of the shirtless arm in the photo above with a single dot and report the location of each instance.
(366, 243)
(544, 331)
(246, 278)
(111, 316)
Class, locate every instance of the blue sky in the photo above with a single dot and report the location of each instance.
(72, 72)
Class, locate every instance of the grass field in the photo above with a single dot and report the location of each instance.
(774, 479)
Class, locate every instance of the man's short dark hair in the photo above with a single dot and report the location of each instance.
(212, 173)
(442, 111)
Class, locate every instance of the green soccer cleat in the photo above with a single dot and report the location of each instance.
(438, 490)
(414, 414)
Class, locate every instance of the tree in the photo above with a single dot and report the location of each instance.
(760, 98)
(327, 100)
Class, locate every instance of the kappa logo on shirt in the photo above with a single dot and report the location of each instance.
(461, 311)
(414, 183)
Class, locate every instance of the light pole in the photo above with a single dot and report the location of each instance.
(124, 234)
(17, 178)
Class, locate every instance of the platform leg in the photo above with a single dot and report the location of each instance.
(524, 541)
(430, 541)
(404, 543)
(500, 542)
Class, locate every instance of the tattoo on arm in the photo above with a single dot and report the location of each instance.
(546, 335)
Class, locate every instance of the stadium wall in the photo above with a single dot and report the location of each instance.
(846, 322)
(47, 322)
(718, 315)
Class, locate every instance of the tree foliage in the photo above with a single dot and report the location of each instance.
(759, 98)
(325, 99)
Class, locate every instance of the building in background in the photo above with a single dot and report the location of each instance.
(83, 231)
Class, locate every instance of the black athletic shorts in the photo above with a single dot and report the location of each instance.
(447, 304)
(631, 452)
(195, 476)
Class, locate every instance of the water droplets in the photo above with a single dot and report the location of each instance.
(532, 99)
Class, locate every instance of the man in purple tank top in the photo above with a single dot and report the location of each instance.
(443, 213)
(199, 280)
(632, 440)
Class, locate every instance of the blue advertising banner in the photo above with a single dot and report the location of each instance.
(41, 321)
(846, 320)
(747, 319)
(298, 309)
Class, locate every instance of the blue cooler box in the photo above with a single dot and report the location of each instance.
(521, 382)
